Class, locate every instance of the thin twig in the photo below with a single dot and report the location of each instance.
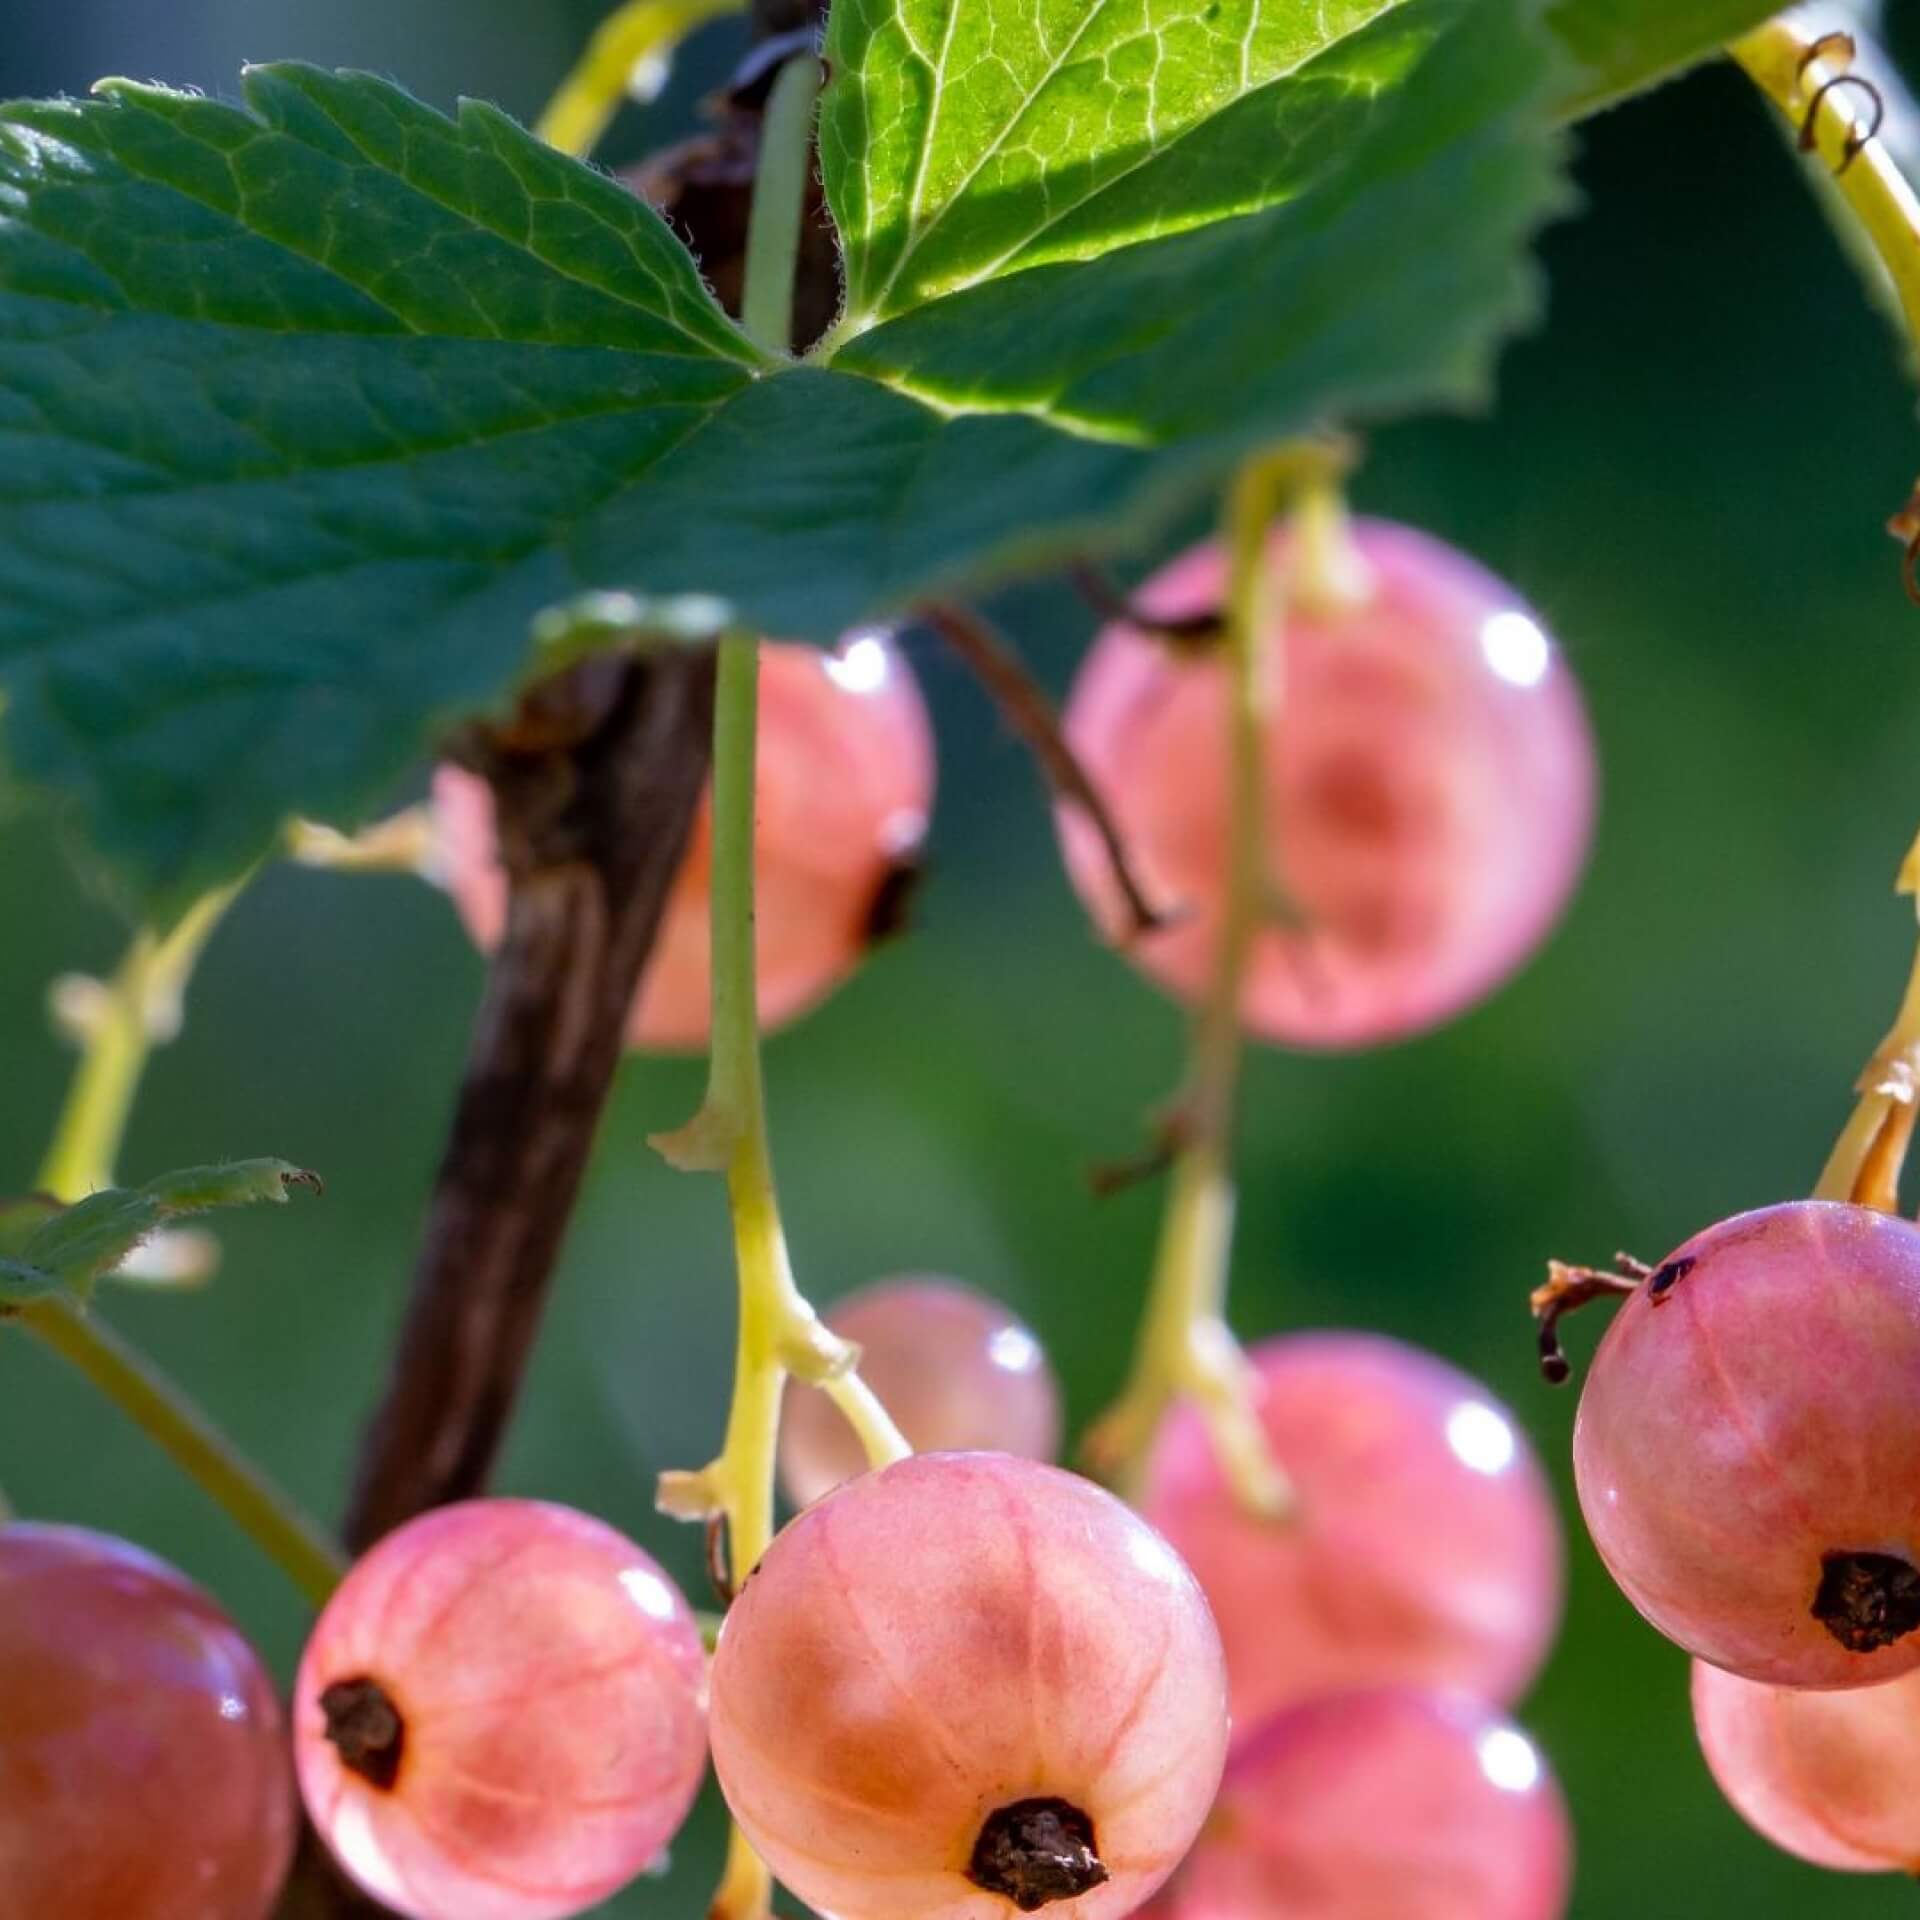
(1204, 629)
(1024, 705)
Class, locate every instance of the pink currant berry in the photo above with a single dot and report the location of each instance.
(1424, 1549)
(1430, 792)
(500, 1715)
(956, 1370)
(1366, 1806)
(143, 1766)
(968, 1682)
(1832, 1777)
(844, 784)
(1746, 1450)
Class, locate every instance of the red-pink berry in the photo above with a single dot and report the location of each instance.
(501, 1714)
(1747, 1452)
(1423, 1550)
(844, 783)
(143, 1764)
(965, 1684)
(1429, 796)
(1382, 1806)
(1832, 1777)
(957, 1371)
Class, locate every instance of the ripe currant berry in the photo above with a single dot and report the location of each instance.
(500, 1714)
(143, 1766)
(1424, 1549)
(843, 788)
(956, 1370)
(1429, 798)
(1363, 1806)
(1746, 1451)
(1832, 1777)
(965, 1684)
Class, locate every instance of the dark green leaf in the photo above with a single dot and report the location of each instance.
(309, 410)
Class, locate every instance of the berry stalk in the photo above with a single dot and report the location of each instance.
(1806, 76)
(140, 1007)
(779, 1332)
(1866, 1161)
(1186, 1347)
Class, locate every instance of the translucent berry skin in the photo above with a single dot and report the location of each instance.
(551, 1683)
(1392, 1803)
(1748, 1417)
(957, 1371)
(1430, 792)
(143, 1766)
(1425, 1550)
(949, 1637)
(827, 843)
(1832, 1777)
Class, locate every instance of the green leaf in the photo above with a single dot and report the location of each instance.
(22, 1285)
(1624, 46)
(311, 408)
(1384, 186)
(72, 1247)
(298, 409)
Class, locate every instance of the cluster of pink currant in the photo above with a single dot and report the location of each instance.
(970, 1682)
(1749, 1466)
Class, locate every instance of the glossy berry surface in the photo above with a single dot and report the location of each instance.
(1832, 1777)
(500, 1715)
(1746, 1449)
(845, 780)
(968, 1684)
(143, 1766)
(1424, 1551)
(1430, 792)
(1382, 1806)
(955, 1369)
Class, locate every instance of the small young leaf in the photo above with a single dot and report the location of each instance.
(74, 1246)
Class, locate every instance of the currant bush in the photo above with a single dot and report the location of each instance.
(1361, 1806)
(831, 855)
(1746, 1454)
(1429, 791)
(1424, 1549)
(967, 1681)
(501, 1714)
(957, 1371)
(143, 1763)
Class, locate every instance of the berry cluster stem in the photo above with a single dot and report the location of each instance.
(1804, 75)
(139, 1006)
(1866, 1161)
(1186, 1348)
(628, 41)
(780, 1335)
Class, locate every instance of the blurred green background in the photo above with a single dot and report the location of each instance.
(1687, 471)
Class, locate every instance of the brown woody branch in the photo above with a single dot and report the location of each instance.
(594, 794)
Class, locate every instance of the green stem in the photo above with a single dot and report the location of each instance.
(1186, 1346)
(168, 1417)
(779, 204)
(140, 1006)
